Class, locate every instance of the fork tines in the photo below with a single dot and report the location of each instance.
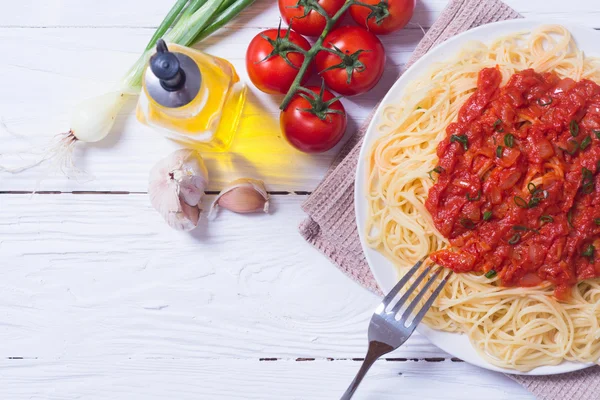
(427, 271)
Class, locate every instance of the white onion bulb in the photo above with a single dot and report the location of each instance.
(93, 118)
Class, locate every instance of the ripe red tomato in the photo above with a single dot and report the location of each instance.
(399, 12)
(267, 69)
(313, 23)
(361, 65)
(313, 131)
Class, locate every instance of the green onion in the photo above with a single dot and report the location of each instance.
(597, 221)
(587, 188)
(230, 12)
(487, 215)
(575, 146)
(589, 251)
(514, 239)
(467, 223)
(570, 218)
(585, 143)
(497, 126)
(477, 198)
(419, 108)
(574, 128)
(587, 181)
(490, 274)
(499, 151)
(437, 170)
(509, 140)
(461, 139)
(597, 133)
(188, 22)
(523, 228)
(546, 218)
(519, 201)
(532, 187)
(171, 17)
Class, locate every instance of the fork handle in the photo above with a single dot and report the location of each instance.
(376, 350)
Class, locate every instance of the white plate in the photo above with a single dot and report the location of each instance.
(384, 271)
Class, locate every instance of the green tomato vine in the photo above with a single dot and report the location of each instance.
(349, 62)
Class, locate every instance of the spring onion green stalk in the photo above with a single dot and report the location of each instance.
(188, 22)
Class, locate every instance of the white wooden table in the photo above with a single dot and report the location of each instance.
(99, 299)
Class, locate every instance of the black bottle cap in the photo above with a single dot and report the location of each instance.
(165, 66)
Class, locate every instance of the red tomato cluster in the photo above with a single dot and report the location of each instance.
(350, 63)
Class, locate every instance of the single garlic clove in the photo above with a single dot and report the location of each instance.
(242, 196)
(177, 184)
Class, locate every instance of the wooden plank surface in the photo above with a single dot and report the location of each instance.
(159, 379)
(149, 13)
(97, 275)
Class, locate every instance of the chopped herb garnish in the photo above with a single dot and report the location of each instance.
(534, 201)
(476, 198)
(597, 133)
(461, 139)
(519, 201)
(597, 221)
(574, 128)
(537, 195)
(514, 239)
(467, 223)
(523, 228)
(587, 181)
(589, 251)
(570, 218)
(509, 140)
(490, 274)
(546, 218)
(543, 102)
(587, 188)
(575, 146)
(487, 215)
(437, 170)
(499, 151)
(419, 108)
(585, 142)
(497, 126)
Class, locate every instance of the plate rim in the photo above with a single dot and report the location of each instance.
(425, 61)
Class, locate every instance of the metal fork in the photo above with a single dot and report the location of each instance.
(385, 332)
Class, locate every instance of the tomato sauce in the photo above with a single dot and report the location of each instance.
(517, 189)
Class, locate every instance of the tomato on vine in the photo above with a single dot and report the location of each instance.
(352, 62)
(303, 15)
(273, 59)
(384, 16)
(314, 121)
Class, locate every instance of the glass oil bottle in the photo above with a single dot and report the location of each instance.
(191, 97)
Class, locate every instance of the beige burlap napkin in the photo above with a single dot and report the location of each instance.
(331, 225)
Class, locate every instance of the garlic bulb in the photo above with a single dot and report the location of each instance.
(176, 187)
(242, 196)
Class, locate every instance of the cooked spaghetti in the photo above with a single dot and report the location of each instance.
(489, 163)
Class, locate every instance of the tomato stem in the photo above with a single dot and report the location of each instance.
(318, 46)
